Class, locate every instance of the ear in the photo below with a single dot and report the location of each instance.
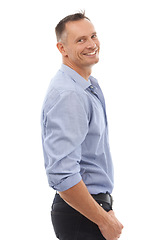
(61, 48)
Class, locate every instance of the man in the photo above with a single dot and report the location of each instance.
(75, 139)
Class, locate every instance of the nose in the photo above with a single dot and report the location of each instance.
(91, 43)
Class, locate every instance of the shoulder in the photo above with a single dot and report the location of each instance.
(61, 82)
(62, 89)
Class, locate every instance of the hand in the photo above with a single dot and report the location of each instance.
(112, 229)
(112, 214)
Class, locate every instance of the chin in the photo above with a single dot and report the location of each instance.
(94, 62)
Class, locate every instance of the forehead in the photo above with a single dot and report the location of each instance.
(78, 28)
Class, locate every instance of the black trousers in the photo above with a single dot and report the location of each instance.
(69, 224)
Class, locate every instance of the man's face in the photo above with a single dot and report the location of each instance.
(81, 44)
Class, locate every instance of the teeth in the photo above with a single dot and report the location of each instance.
(91, 53)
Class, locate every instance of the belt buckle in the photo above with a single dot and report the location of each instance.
(111, 201)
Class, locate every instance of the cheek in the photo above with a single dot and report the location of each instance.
(76, 52)
(98, 43)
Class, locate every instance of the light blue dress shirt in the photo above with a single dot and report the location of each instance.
(75, 134)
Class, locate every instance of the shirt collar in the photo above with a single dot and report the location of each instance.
(76, 77)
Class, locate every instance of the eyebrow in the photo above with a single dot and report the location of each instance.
(78, 38)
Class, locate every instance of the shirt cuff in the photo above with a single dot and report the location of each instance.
(68, 182)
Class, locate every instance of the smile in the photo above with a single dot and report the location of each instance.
(91, 53)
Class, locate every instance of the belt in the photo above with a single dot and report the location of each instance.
(101, 198)
(104, 198)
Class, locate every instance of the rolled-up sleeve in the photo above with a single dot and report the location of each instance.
(65, 126)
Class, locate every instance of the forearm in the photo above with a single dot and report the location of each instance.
(80, 199)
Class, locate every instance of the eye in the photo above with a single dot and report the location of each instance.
(94, 36)
(80, 40)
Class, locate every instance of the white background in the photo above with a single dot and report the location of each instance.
(129, 74)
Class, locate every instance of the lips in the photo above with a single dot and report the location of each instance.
(91, 53)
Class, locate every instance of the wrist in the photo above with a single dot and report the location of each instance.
(102, 217)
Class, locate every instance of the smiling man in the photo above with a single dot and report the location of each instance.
(75, 139)
(79, 46)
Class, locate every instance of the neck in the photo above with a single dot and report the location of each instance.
(85, 72)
